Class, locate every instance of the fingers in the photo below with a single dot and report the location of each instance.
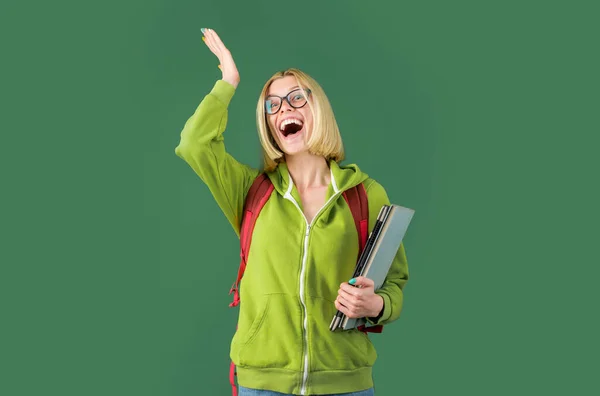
(349, 289)
(350, 301)
(346, 302)
(340, 307)
(350, 293)
(210, 42)
(343, 309)
(356, 291)
(363, 282)
(346, 308)
(217, 40)
(212, 45)
(215, 43)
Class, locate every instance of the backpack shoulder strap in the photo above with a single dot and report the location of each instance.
(358, 202)
(256, 198)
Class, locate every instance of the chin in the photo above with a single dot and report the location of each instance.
(292, 143)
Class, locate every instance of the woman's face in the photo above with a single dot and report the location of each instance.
(291, 126)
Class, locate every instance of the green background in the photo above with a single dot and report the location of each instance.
(482, 116)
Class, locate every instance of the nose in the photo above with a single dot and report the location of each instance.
(285, 106)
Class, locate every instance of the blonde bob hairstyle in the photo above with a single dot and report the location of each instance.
(325, 139)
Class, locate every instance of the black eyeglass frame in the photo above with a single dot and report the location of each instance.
(307, 91)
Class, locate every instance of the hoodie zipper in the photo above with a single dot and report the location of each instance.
(288, 196)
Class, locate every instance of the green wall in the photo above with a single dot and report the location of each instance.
(482, 116)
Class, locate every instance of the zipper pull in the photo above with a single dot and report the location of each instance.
(307, 229)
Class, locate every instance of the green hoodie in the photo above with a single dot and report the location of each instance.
(283, 342)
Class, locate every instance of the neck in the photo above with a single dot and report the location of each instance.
(308, 171)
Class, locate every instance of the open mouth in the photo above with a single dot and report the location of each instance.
(290, 127)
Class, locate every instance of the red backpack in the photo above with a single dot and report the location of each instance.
(259, 193)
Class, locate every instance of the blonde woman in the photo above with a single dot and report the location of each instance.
(304, 245)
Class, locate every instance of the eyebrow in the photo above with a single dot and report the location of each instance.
(291, 89)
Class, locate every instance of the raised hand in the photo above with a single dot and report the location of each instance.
(227, 65)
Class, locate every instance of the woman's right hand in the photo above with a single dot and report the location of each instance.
(227, 65)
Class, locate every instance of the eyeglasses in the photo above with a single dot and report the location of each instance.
(297, 99)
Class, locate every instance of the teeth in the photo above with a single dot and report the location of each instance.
(289, 121)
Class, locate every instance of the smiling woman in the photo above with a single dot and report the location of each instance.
(294, 116)
(304, 247)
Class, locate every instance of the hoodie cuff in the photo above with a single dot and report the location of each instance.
(387, 310)
(223, 91)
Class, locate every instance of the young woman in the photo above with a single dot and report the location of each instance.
(304, 245)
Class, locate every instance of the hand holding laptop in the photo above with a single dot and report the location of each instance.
(357, 298)
(373, 264)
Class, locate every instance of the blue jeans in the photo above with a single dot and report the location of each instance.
(257, 392)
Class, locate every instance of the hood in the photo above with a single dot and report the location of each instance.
(343, 177)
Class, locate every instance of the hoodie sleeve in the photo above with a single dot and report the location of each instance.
(391, 290)
(202, 147)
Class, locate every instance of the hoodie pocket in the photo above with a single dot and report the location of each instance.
(274, 337)
(257, 322)
(250, 319)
